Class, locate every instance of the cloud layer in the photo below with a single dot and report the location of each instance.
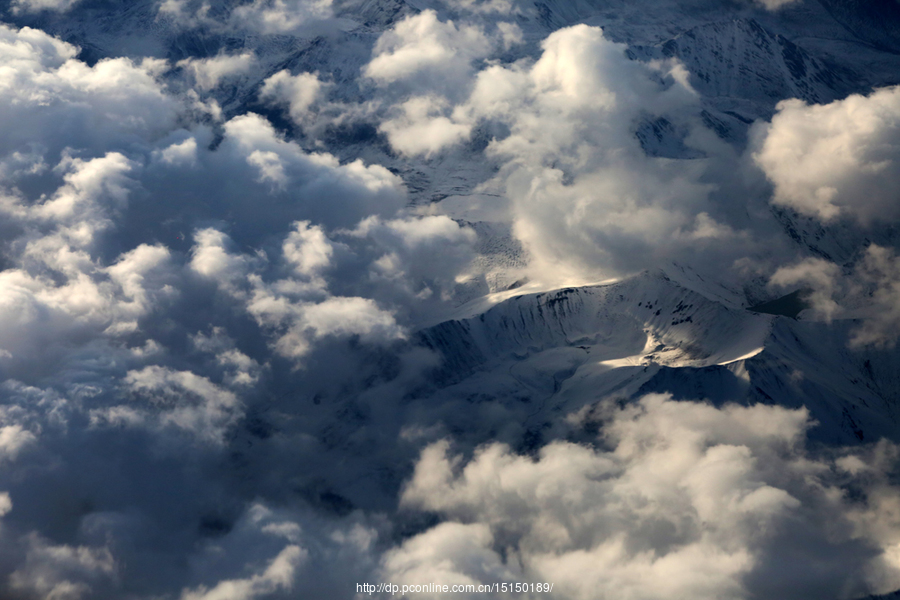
(213, 277)
(839, 159)
(685, 501)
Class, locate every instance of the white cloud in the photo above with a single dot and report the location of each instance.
(53, 98)
(587, 200)
(326, 191)
(350, 316)
(271, 169)
(297, 92)
(688, 501)
(300, 310)
(280, 16)
(448, 554)
(62, 234)
(93, 192)
(510, 33)
(177, 10)
(837, 159)
(13, 439)
(180, 153)
(211, 258)
(307, 249)
(210, 72)
(133, 273)
(298, 323)
(425, 68)
(133, 356)
(422, 129)
(423, 47)
(349, 283)
(834, 161)
(819, 275)
(178, 399)
(276, 552)
(241, 370)
(870, 291)
(278, 575)
(485, 6)
(62, 572)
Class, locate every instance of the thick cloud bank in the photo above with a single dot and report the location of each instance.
(839, 159)
(586, 199)
(841, 162)
(686, 501)
(139, 256)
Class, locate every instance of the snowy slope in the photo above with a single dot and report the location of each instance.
(742, 59)
(560, 351)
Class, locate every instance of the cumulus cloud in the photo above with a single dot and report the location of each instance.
(422, 52)
(307, 249)
(332, 194)
(879, 277)
(837, 159)
(868, 291)
(183, 13)
(179, 153)
(277, 553)
(421, 127)
(836, 163)
(210, 72)
(13, 439)
(423, 44)
(120, 334)
(241, 369)
(819, 275)
(428, 65)
(587, 200)
(56, 101)
(61, 238)
(211, 258)
(406, 262)
(280, 16)
(278, 575)
(179, 399)
(448, 554)
(297, 92)
(62, 571)
(573, 140)
(341, 316)
(686, 501)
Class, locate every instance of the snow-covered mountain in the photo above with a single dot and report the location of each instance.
(647, 334)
